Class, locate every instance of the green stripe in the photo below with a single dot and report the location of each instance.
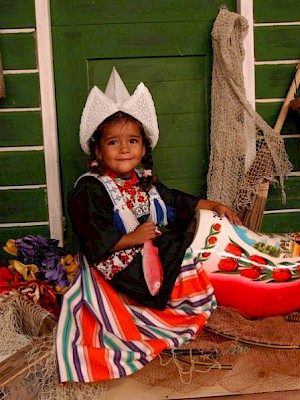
(188, 255)
(130, 362)
(86, 284)
(110, 343)
(66, 334)
(161, 333)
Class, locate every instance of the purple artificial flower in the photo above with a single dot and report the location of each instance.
(34, 249)
(54, 272)
(46, 255)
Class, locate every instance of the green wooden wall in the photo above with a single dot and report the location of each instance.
(23, 201)
(277, 52)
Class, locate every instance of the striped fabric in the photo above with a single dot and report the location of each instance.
(103, 335)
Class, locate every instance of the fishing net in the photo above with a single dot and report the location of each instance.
(26, 325)
(245, 150)
(239, 354)
(45, 376)
(21, 321)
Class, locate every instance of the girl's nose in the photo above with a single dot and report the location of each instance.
(124, 147)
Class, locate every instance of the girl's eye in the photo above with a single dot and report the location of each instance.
(133, 141)
(112, 142)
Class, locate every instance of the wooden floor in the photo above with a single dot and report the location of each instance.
(285, 395)
(128, 388)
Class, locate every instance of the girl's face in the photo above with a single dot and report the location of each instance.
(121, 147)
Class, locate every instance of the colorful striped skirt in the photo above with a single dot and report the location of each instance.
(104, 335)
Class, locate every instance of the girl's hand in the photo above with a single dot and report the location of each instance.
(221, 209)
(144, 232)
(140, 235)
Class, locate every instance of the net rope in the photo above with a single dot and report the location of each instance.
(245, 150)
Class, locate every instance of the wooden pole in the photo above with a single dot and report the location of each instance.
(286, 104)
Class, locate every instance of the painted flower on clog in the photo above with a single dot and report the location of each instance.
(234, 249)
(216, 227)
(228, 265)
(252, 273)
(210, 242)
(281, 274)
(257, 261)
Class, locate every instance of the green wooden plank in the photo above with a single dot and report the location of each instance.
(22, 90)
(168, 96)
(180, 163)
(16, 232)
(22, 128)
(281, 223)
(194, 186)
(292, 189)
(119, 11)
(292, 146)
(273, 81)
(160, 69)
(169, 80)
(25, 57)
(277, 42)
(17, 14)
(184, 130)
(23, 206)
(127, 41)
(276, 10)
(22, 168)
(270, 112)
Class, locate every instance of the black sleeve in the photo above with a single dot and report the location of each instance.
(181, 204)
(91, 214)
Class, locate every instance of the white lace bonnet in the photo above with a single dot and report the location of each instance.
(101, 105)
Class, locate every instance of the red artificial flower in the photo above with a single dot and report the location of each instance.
(6, 276)
(234, 249)
(212, 240)
(228, 265)
(252, 273)
(258, 260)
(216, 227)
(281, 274)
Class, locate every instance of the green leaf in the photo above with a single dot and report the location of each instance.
(287, 263)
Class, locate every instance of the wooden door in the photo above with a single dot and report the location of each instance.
(166, 44)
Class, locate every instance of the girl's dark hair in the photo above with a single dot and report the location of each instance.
(96, 166)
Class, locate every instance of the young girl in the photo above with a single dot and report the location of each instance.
(115, 209)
